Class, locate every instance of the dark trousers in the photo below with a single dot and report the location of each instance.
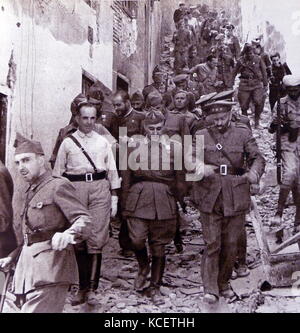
(221, 235)
(159, 233)
(256, 96)
(273, 96)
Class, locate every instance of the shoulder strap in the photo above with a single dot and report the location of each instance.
(77, 143)
(220, 147)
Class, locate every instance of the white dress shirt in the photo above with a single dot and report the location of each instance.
(71, 160)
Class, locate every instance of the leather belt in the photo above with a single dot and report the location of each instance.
(39, 236)
(225, 170)
(88, 177)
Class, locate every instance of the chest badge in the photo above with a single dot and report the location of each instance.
(219, 146)
(39, 205)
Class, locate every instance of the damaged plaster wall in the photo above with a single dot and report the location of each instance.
(279, 24)
(44, 49)
(46, 45)
(138, 50)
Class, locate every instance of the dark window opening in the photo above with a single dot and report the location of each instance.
(87, 82)
(122, 84)
(88, 2)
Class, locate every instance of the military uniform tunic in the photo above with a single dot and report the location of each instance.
(223, 201)
(150, 189)
(43, 275)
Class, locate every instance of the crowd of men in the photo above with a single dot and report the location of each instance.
(133, 163)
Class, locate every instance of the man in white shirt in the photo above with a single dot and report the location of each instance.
(93, 172)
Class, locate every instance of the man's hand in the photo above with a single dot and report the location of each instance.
(206, 170)
(5, 264)
(61, 240)
(252, 177)
(114, 205)
(209, 170)
(254, 189)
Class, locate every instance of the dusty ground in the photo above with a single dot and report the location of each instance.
(182, 281)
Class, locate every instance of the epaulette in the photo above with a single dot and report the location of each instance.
(239, 124)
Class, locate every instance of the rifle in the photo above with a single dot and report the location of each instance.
(278, 140)
(166, 82)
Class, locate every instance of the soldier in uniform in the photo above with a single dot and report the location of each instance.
(177, 123)
(87, 160)
(7, 236)
(149, 192)
(253, 82)
(182, 40)
(52, 220)
(158, 84)
(137, 101)
(290, 144)
(223, 195)
(106, 118)
(181, 83)
(155, 101)
(127, 116)
(207, 74)
(232, 41)
(278, 71)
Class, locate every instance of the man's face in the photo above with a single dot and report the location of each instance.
(120, 106)
(276, 61)
(29, 165)
(228, 32)
(293, 92)
(213, 63)
(221, 120)
(249, 55)
(137, 104)
(158, 78)
(257, 49)
(182, 85)
(154, 130)
(180, 101)
(86, 118)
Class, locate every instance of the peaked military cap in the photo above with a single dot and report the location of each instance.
(223, 95)
(291, 80)
(137, 96)
(95, 92)
(218, 107)
(154, 117)
(82, 99)
(24, 145)
(180, 78)
(153, 99)
(229, 26)
(205, 98)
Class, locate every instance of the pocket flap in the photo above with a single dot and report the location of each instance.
(239, 181)
(41, 204)
(37, 248)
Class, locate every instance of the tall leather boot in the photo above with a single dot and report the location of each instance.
(91, 296)
(144, 269)
(84, 268)
(178, 238)
(157, 271)
(283, 194)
